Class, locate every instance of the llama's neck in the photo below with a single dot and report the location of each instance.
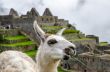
(44, 64)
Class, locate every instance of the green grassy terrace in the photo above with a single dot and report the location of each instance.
(18, 37)
(68, 31)
(19, 44)
(103, 43)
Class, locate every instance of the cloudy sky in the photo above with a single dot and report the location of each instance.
(89, 16)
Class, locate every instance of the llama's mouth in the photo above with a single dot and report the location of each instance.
(66, 57)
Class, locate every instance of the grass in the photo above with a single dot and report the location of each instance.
(18, 44)
(31, 53)
(71, 31)
(18, 37)
(103, 43)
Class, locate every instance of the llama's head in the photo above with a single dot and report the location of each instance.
(54, 47)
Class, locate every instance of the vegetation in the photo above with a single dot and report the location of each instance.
(71, 31)
(69, 25)
(18, 44)
(18, 37)
(103, 43)
(31, 53)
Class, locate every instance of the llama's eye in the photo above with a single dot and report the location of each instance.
(52, 41)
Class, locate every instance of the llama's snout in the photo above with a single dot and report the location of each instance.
(68, 52)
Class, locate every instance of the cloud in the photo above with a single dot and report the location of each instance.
(80, 4)
(90, 16)
(3, 10)
(94, 18)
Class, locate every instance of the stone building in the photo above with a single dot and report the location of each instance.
(46, 19)
(25, 22)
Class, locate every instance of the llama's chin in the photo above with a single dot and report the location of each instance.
(57, 57)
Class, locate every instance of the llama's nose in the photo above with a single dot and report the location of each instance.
(69, 50)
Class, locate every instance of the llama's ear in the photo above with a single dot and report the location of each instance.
(39, 32)
(60, 32)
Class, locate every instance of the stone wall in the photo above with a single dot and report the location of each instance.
(93, 37)
(46, 20)
(102, 48)
(86, 41)
(9, 32)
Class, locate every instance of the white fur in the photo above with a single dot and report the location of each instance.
(14, 61)
(47, 59)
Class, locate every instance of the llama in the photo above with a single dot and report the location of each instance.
(52, 49)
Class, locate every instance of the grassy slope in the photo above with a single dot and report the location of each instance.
(18, 37)
(18, 44)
